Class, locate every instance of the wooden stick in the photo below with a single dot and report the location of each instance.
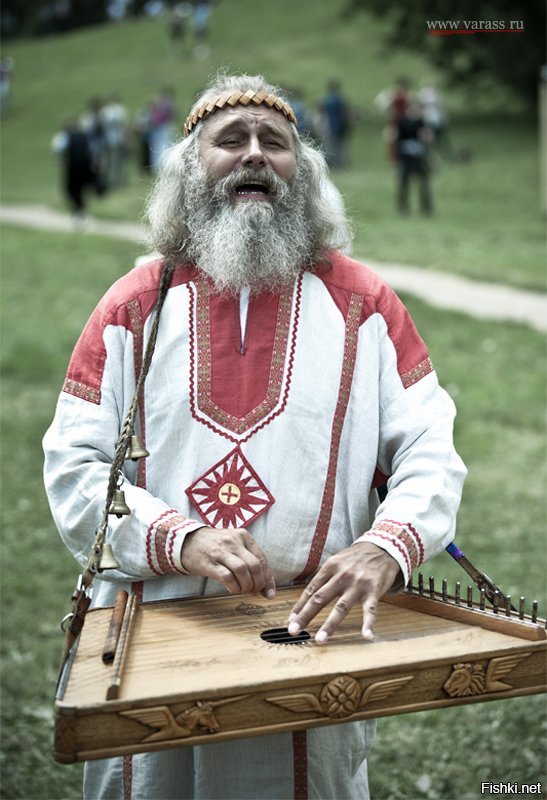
(123, 646)
(109, 650)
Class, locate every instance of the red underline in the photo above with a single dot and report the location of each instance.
(465, 31)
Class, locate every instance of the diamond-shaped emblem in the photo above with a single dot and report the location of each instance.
(230, 494)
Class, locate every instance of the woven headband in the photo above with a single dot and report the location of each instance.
(237, 98)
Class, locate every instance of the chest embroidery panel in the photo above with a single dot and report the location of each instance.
(236, 391)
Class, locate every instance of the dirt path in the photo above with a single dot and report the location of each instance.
(440, 289)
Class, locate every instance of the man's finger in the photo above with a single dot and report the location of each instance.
(341, 609)
(264, 580)
(241, 570)
(310, 590)
(314, 601)
(370, 610)
(223, 575)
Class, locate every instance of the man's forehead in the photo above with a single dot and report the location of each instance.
(253, 117)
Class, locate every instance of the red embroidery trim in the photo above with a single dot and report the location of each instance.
(127, 777)
(300, 765)
(137, 587)
(150, 535)
(346, 378)
(199, 311)
(409, 528)
(418, 372)
(392, 540)
(409, 538)
(413, 530)
(170, 547)
(160, 544)
(81, 390)
(137, 325)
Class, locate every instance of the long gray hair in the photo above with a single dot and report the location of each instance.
(328, 225)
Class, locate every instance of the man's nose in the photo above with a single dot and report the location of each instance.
(254, 154)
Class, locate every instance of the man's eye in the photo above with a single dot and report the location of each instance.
(230, 142)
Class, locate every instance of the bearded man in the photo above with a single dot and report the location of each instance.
(287, 382)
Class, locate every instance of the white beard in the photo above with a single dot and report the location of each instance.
(255, 243)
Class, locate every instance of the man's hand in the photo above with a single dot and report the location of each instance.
(362, 574)
(230, 556)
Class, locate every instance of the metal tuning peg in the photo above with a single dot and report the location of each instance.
(118, 506)
(108, 560)
(136, 449)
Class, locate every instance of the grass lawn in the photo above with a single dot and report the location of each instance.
(501, 523)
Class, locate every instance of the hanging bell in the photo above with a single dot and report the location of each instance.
(136, 449)
(118, 506)
(108, 560)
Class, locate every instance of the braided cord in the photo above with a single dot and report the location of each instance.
(128, 425)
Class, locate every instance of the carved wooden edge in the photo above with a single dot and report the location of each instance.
(522, 629)
(341, 698)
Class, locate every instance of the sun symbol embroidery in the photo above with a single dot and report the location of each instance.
(230, 494)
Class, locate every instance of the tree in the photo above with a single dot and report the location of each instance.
(53, 16)
(511, 57)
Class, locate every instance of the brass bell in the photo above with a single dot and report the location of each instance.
(118, 506)
(136, 449)
(108, 560)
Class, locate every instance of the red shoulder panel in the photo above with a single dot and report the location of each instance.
(140, 285)
(346, 277)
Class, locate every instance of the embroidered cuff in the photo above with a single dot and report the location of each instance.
(401, 541)
(164, 541)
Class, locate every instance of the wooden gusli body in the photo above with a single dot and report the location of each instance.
(208, 669)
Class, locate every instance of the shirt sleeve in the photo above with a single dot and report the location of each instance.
(416, 453)
(79, 448)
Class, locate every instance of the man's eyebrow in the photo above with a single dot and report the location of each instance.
(269, 128)
(274, 130)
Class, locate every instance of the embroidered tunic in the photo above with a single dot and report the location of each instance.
(283, 430)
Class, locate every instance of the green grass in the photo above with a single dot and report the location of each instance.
(488, 223)
(436, 755)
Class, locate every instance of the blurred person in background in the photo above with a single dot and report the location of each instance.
(161, 126)
(179, 17)
(115, 120)
(72, 147)
(412, 143)
(435, 117)
(337, 115)
(393, 104)
(202, 15)
(6, 73)
(91, 123)
(141, 132)
(283, 370)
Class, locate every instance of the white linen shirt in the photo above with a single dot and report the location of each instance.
(331, 393)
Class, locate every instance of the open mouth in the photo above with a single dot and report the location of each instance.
(260, 190)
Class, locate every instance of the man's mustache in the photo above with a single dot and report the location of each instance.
(273, 185)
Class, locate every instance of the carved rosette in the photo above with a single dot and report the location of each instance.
(341, 697)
